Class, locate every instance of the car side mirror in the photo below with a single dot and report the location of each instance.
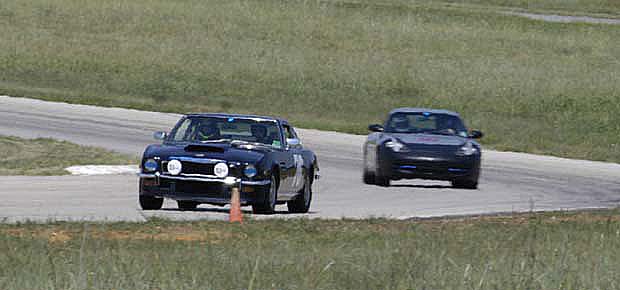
(160, 135)
(375, 128)
(475, 134)
(293, 142)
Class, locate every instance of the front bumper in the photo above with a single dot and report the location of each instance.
(202, 188)
(436, 166)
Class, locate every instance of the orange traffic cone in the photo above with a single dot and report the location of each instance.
(235, 206)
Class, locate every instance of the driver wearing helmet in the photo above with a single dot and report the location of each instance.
(446, 125)
(400, 123)
(259, 132)
(207, 131)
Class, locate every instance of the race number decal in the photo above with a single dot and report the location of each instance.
(299, 177)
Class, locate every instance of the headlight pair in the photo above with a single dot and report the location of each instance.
(220, 169)
(175, 167)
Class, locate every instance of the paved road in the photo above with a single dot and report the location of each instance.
(509, 182)
(566, 18)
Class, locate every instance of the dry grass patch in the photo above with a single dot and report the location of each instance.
(60, 234)
(560, 250)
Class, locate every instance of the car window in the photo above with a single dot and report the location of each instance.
(289, 132)
(181, 130)
(424, 123)
(210, 129)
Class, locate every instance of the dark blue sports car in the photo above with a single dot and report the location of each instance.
(205, 154)
(422, 143)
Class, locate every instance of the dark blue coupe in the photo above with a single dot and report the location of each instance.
(205, 154)
(422, 143)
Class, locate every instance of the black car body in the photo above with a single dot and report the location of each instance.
(422, 143)
(206, 154)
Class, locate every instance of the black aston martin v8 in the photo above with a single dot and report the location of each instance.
(422, 143)
(206, 154)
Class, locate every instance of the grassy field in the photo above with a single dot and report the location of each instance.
(530, 86)
(44, 156)
(610, 8)
(537, 251)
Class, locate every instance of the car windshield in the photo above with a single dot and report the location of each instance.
(423, 122)
(226, 129)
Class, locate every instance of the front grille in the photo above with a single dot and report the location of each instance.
(197, 168)
(196, 188)
(429, 165)
(191, 168)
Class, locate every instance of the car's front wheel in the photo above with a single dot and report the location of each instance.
(150, 202)
(301, 204)
(367, 176)
(268, 204)
(380, 178)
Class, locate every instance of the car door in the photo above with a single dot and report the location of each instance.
(297, 160)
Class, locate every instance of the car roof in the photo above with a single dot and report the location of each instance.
(423, 110)
(241, 116)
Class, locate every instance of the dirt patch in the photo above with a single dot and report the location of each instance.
(167, 234)
(52, 236)
(186, 234)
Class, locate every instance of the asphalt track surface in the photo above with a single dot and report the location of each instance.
(566, 18)
(510, 182)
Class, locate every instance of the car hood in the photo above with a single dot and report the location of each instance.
(430, 139)
(222, 151)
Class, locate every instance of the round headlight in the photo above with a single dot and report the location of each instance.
(174, 167)
(150, 165)
(467, 150)
(250, 171)
(396, 146)
(220, 169)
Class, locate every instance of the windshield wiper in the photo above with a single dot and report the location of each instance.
(216, 141)
(243, 142)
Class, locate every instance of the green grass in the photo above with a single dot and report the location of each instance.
(538, 251)
(530, 86)
(43, 156)
(609, 8)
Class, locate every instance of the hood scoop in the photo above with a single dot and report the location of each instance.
(204, 148)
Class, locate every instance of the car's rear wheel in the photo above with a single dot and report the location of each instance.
(268, 205)
(301, 204)
(150, 202)
(187, 204)
(465, 183)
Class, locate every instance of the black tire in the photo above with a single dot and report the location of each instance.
(301, 204)
(369, 178)
(150, 202)
(268, 205)
(465, 184)
(187, 204)
(380, 179)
